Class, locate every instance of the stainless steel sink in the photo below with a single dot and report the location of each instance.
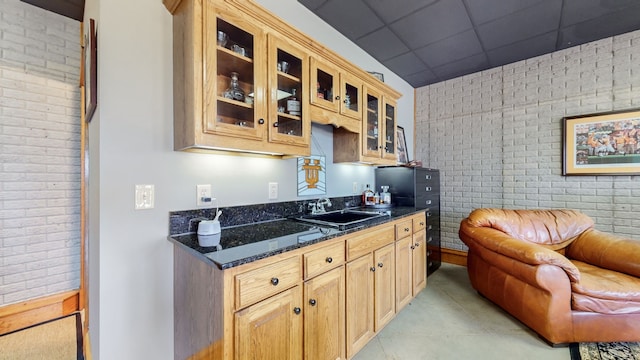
(343, 219)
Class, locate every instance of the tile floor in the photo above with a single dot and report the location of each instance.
(449, 320)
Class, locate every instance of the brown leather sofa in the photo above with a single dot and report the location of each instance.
(557, 274)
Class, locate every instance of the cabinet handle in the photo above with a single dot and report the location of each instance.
(274, 281)
(428, 188)
(261, 121)
(428, 202)
(429, 227)
(373, 269)
(429, 214)
(312, 302)
(275, 124)
(430, 239)
(296, 310)
(329, 259)
(380, 265)
(428, 177)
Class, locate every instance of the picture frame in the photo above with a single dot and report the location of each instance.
(605, 143)
(377, 75)
(90, 57)
(401, 148)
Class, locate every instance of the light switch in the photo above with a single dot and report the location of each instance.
(144, 197)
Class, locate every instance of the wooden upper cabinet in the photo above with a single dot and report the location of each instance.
(288, 69)
(234, 77)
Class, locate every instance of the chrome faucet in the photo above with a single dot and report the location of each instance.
(318, 206)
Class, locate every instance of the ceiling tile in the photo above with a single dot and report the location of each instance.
(382, 44)
(598, 28)
(462, 67)
(420, 78)
(391, 10)
(482, 11)
(435, 22)
(581, 10)
(536, 20)
(405, 64)
(351, 18)
(450, 49)
(312, 4)
(521, 50)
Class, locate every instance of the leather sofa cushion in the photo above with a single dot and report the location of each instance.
(605, 291)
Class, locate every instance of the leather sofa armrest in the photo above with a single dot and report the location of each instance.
(607, 251)
(529, 253)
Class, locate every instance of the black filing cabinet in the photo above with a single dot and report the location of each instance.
(419, 187)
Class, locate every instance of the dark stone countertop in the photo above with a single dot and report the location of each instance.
(247, 243)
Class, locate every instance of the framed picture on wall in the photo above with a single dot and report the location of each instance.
(602, 144)
(90, 71)
(403, 157)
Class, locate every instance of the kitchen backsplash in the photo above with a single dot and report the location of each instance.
(186, 221)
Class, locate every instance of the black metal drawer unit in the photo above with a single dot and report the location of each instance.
(419, 187)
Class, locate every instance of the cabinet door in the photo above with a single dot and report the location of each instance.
(288, 71)
(371, 132)
(359, 303)
(325, 86)
(419, 261)
(388, 130)
(350, 96)
(404, 272)
(324, 322)
(233, 108)
(385, 276)
(270, 329)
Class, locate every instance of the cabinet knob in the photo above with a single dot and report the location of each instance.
(338, 97)
(372, 269)
(329, 259)
(296, 310)
(274, 281)
(412, 247)
(312, 302)
(380, 264)
(275, 124)
(417, 244)
(406, 229)
(421, 223)
(261, 121)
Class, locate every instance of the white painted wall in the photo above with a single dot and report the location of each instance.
(131, 143)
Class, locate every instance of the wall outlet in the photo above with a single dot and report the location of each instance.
(144, 197)
(273, 190)
(355, 189)
(203, 195)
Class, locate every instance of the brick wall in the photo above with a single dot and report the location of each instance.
(39, 152)
(496, 135)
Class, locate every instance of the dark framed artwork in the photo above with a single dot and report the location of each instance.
(602, 144)
(403, 157)
(90, 71)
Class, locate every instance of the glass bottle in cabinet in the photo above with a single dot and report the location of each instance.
(230, 79)
(289, 121)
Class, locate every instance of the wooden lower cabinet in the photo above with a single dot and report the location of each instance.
(404, 272)
(324, 316)
(419, 261)
(270, 329)
(370, 296)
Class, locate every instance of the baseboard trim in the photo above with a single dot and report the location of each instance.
(455, 257)
(31, 312)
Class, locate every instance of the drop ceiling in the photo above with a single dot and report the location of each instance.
(428, 41)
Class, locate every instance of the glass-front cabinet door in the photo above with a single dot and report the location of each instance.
(234, 79)
(351, 96)
(288, 71)
(324, 84)
(371, 131)
(389, 131)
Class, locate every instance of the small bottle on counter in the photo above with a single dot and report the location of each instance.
(367, 196)
(376, 198)
(385, 196)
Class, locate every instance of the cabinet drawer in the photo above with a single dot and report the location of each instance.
(419, 223)
(255, 285)
(369, 240)
(326, 258)
(404, 229)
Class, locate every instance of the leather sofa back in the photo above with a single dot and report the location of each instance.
(554, 228)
